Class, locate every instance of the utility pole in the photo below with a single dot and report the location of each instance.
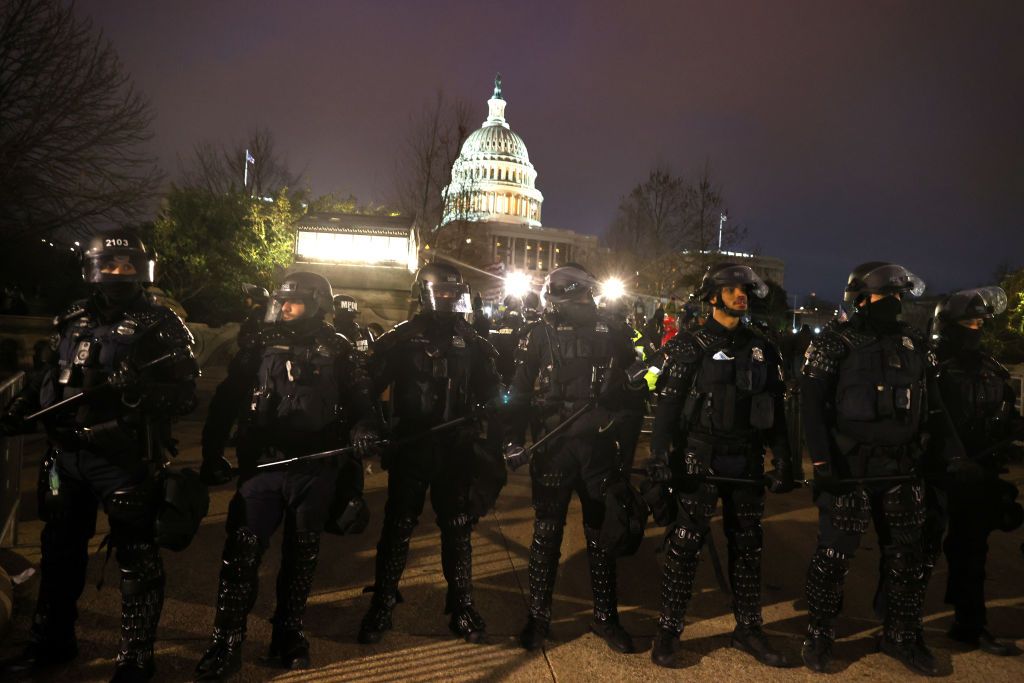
(722, 218)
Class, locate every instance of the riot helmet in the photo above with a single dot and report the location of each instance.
(881, 277)
(345, 304)
(254, 296)
(312, 290)
(571, 283)
(531, 305)
(730, 275)
(969, 304)
(439, 287)
(117, 256)
(512, 303)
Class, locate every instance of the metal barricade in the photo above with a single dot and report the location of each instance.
(10, 469)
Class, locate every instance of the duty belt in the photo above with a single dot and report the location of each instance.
(724, 447)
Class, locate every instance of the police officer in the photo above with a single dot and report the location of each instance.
(254, 299)
(720, 402)
(132, 361)
(309, 392)
(504, 335)
(868, 397)
(976, 391)
(579, 358)
(438, 369)
(346, 321)
(532, 307)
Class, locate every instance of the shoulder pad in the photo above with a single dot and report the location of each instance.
(334, 341)
(850, 337)
(72, 312)
(684, 348)
(165, 323)
(396, 335)
(703, 338)
(824, 353)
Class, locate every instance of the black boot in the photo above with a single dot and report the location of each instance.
(545, 550)
(603, 585)
(752, 640)
(664, 649)
(681, 556)
(824, 588)
(457, 565)
(288, 645)
(142, 598)
(236, 595)
(817, 649)
(912, 651)
(533, 634)
(45, 649)
(392, 551)
(902, 638)
(979, 638)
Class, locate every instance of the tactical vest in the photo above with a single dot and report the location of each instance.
(88, 350)
(433, 376)
(975, 399)
(729, 395)
(880, 391)
(297, 391)
(578, 359)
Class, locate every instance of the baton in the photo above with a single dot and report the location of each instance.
(71, 400)
(382, 443)
(886, 479)
(564, 424)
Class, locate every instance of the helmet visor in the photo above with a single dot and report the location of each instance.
(446, 297)
(983, 302)
(742, 276)
(120, 265)
(892, 279)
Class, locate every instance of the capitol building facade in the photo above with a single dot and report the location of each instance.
(493, 191)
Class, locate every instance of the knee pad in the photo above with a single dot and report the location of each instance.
(687, 540)
(829, 567)
(904, 566)
(132, 510)
(750, 510)
(748, 541)
(904, 511)
(459, 524)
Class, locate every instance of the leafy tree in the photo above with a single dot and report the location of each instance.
(224, 169)
(1004, 335)
(72, 125)
(210, 243)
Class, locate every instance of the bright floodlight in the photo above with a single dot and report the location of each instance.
(517, 284)
(613, 288)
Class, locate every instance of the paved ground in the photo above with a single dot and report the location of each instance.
(421, 649)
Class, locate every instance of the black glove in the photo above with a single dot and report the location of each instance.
(658, 469)
(215, 470)
(826, 479)
(780, 478)
(515, 456)
(365, 440)
(125, 378)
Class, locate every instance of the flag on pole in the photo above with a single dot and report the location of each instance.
(249, 158)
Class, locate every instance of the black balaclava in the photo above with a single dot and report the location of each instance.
(114, 298)
(884, 314)
(962, 338)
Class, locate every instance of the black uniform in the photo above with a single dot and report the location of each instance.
(980, 401)
(107, 451)
(868, 397)
(578, 358)
(504, 335)
(307, 388)
(720, 402)
(437, 369)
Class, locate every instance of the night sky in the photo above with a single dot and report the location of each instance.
(841, 132)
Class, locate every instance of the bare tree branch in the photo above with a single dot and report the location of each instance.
(72, 125)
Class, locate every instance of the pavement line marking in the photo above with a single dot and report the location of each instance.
(515, 572)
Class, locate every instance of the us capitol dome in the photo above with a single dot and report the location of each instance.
(493, 179)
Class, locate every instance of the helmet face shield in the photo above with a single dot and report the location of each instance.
(445, 297)
(566, 284)
(741, 276)
(972, 304)
(888, 278)
(120, 265)
(311, 290)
